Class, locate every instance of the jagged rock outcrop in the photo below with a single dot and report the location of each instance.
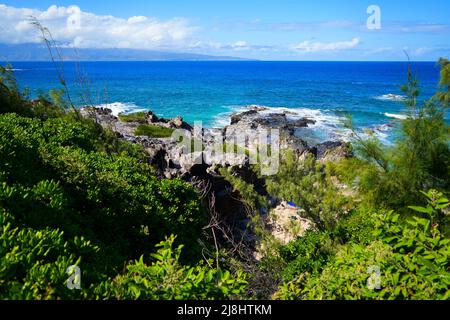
(172, 159)
(332, 150)
(202, 166)
(179, 123)
(238, 117)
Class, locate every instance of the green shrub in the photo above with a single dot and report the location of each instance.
(53, 173)
(306, 254)
(444, 83)
(139, 117)
(413, 258)
(33, 263)
(419, 159)
(153, 131)
(308, 184)
(166, 279)
(11, 99)
(246, 190)
(356, 227)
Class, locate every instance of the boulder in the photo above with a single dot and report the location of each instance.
(332, 150)
(150, 117)
(178, 123)
(257, 108)
(302, 123)
(193, 163)
(237, 117)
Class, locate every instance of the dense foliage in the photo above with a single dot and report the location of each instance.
(412, 259)
(379, 246)
(133, 117)
(71, 193)
(167, 279)
(154, 131)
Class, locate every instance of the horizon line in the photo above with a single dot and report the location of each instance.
(218, 60)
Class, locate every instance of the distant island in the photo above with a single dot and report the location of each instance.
(38, 52)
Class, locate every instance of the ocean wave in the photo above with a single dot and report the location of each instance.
(391, 97)
(382, 132)
(396, 116)
(327, 126)
(222, 119)
(121, 107)
(330, 126)
(14, 69)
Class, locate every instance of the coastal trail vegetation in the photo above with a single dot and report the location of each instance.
(153, 131)
(73, 193)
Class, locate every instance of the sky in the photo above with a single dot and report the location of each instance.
(264, 29)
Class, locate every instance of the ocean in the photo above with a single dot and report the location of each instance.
(209, 91)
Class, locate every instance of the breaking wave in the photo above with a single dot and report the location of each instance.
(328, 125)
(391, 97)
(396, 116)
(121, 107)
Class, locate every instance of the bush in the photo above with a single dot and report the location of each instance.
(356, 227)
(153, 131)
(33, 263)
(54, 174)
(246, 190)
(420, 158)
(413, 258)
(11, 99)
(133, 117)
(166, 279)
(306, 254)
(309, 185)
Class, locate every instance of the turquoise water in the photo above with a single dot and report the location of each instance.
(209, 91)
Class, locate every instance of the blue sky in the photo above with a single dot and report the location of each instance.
(268, 30)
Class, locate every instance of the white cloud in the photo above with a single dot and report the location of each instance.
(229, 48)
(421, 51)
(72, 26)
(379, 50)
(311, 47)
(240, 45)
(419, 27)
(387, 26)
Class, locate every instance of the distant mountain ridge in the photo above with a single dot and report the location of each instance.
(38, 52)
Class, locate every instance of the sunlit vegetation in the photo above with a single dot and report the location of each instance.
(72, 193)
(153, 131)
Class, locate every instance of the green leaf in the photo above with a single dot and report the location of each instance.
(421, 209)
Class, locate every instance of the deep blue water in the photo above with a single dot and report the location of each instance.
(207, 91)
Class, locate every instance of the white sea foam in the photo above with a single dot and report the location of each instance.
(382, 132)
(121, 107)
(384, 127)
(396, 116)
(223, 119)
(327, 126)
(391, 97)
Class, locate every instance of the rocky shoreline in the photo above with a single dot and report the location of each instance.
(170, 158)
(201, 167)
